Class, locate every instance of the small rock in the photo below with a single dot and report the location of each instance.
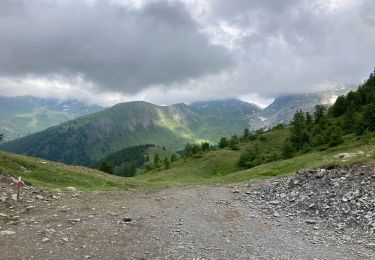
(111, 213)
(127, 219)
(370, 245)
(39, 197)
(75, 220)
(310, 221)
(46, 239)
(71, 188)
(7, 232)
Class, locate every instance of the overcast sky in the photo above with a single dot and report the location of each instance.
(170, 51)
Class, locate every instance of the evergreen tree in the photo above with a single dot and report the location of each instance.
(156, 160)
(173, 158)
(339, 107)
(308, 119)
(127, 170)
(369, 117)
(349, 120)
(318, 139)
(249, 158)
(246, 134)
(320, 113)
(1, 137)
(205, 146)
(359, 127)
(287, 150)
(298, 135)
(233, 143)
(166, 163)
(223, 142)
(105, 167)
(334, 136)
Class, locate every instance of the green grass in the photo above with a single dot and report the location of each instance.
(213, 168)
(219, 167)
(50, 175)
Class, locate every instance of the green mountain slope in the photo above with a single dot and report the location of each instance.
(20, 116)
(85, 140)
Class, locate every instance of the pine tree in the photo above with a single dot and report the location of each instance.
(105, 167)
(369, 117)
(223, 142)
(320, 113)
(233, 143)
(339, 107)
(287, 150)
(205, 146)
(308, 119)
(349, 120)
(128, 170)
(166, 163)
(334, 136)
(246, 134)
(249, 158)
(173, 158)
(298, 135)
(156, 160)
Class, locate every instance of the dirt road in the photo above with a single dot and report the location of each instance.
(178, 223)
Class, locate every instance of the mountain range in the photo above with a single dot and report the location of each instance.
(24, 115)
(92, 137)
(283, 108)
(89, 138)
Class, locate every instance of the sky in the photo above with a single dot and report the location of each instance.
(172, 51)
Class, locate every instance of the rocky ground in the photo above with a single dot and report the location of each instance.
(320, 214)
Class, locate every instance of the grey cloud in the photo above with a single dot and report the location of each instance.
(115, 47)
(156, 53)
(300, 46)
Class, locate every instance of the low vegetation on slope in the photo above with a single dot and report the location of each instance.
(221, 166)
(214, 167)
(47, 174)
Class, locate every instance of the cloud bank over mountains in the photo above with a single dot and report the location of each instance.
(181, 51)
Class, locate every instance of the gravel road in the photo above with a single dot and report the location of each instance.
(176, 223)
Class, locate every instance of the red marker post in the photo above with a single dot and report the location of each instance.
(19, 184)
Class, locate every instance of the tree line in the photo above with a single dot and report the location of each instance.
(326, 127)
